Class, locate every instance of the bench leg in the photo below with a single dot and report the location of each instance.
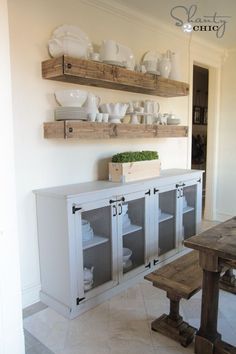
(228, 281)
(172, 325)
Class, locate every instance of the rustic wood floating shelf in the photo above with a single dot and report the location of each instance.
(88, 130)
(91, 73)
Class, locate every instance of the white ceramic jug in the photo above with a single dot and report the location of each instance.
(175, 73)
(92, 103)
(109, 50)
(165, 66)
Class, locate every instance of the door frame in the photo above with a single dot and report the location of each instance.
(211, 60)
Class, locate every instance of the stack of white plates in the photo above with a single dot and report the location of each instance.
(70, 113)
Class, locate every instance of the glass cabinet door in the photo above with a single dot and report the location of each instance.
(165, 230)
(97, 231)
(188, 208)
(132, 225)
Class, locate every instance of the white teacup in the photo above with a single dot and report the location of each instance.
(105, 117)
(95, 56)
(92, 117)
(99, 117)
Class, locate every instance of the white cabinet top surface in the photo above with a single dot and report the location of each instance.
(72, 190)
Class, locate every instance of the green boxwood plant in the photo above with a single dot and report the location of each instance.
(132, 156)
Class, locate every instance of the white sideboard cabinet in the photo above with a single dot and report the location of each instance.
(88, 225)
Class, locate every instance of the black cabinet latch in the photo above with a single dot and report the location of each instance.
(148, 192)
(180, 185)
(155, 190)
(148, 265)
(74, 209)
(79, 299)
(155, 261)
(111, 201)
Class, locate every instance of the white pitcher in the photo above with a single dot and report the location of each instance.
(165, 66)
(92, 103)
(109, 50)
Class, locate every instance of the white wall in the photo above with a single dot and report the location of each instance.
(226, 190)
(11, 328)
(42, 163)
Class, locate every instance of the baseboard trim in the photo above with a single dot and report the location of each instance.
(223, 216)
(30, 295)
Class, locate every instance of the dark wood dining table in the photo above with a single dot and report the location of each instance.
(217, 253)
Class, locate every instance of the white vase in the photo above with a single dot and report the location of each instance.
(165, 67)
(175, 67)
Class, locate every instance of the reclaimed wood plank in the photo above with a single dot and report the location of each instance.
(87, 130)
(173, 131)
(54, 130)
(219, 240)
(93, 130)
(182, 276)
(88, 72)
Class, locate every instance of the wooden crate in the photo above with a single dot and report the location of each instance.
(133, 171)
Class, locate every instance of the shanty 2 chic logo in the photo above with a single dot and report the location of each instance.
(188, 20)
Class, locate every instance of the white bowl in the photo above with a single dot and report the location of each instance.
(71, 98)
(114, 109)
(127, 253)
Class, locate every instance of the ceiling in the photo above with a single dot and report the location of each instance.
(159, 10)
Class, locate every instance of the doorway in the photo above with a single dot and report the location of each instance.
(200, 123)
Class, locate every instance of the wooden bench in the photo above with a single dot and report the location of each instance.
(181, 278)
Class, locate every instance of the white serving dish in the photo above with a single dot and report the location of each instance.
(114, 109)
(71, 98)
(127, 253)
(70, 46)
(173, 121)
(70, 30)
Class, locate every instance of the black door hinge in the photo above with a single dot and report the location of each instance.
(155, 190)
(155, 261)
(74, 209)
(148, 192)
(79, 299)
(148, 265)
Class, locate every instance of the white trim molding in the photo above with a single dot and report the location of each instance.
(153, 24)
(30, 295)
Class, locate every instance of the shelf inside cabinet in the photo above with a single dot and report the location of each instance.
(96, 240)
(165, 216)
(130, 229)
(187, 209)
(91, 73)
(71, 129)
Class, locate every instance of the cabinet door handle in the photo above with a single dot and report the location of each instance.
(155, 190)
(121, 209)
(148, 265)
(148, 192)
(114, 210)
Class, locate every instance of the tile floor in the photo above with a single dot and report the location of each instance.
(120, 325)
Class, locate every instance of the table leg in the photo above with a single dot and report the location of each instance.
(207, 334)
(172, 325)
